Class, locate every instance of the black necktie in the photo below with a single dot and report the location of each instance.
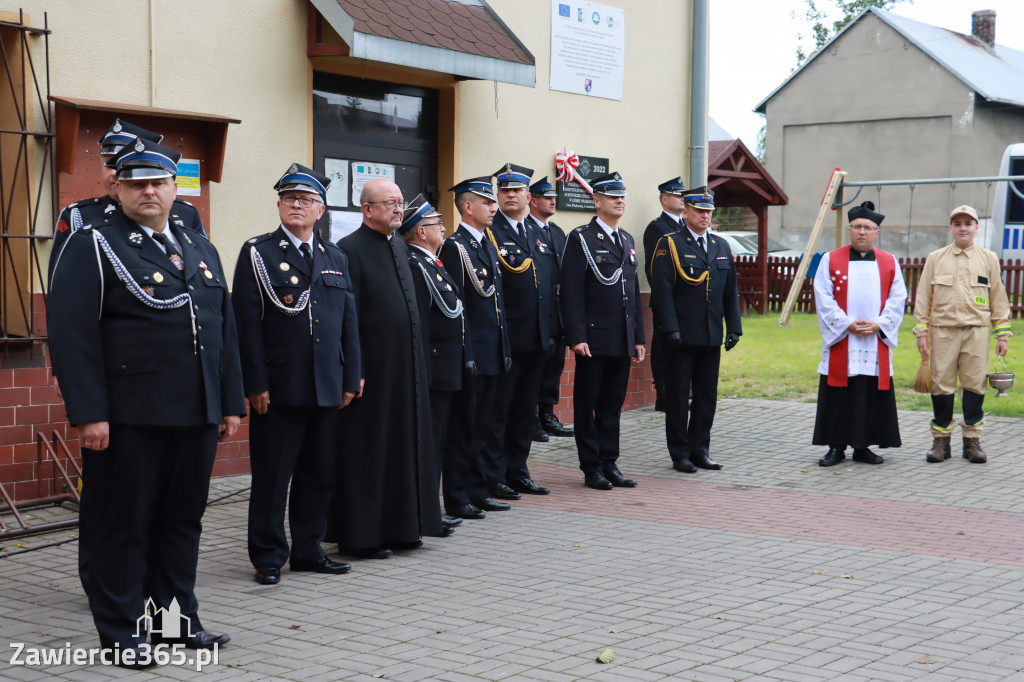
(522, 231)
(169, 249)
(615, 239)
(307, 253)
(700, 240)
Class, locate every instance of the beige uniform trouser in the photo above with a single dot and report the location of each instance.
(959, 352)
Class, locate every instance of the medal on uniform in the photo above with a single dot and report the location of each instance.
(448, 287)
(148, 290)
(206, 270)
(157, 277)
(208, 274)
(288, 299)
(294, 280)
(503, 251)
(483, 271)
(439, 277)
(135, 237)
(178, 262)
(285, 267)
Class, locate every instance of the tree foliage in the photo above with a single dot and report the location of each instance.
(829, 17)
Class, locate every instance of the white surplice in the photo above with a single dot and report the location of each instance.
(863, 302)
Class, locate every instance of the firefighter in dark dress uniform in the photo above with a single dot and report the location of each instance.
(442, 325)
(472, 261)
(604, 327)
(97, 212)
(693, 292)
(143, 341)
(529, 298)
(299, 343)
(670, 220)
(542, 207)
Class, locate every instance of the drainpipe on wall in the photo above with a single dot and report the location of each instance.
(152, 54)
(699, 95)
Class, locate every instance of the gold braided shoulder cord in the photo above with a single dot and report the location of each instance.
(467, 267)
(517, 269)
(679, 266)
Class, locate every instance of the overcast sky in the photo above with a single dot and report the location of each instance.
(753, 47)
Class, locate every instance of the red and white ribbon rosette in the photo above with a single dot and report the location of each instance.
(566, 163)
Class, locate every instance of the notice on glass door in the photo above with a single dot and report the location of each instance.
(363, 172)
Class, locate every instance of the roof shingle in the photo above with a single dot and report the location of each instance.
(434, 23)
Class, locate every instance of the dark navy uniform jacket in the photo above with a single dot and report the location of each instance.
(657, 229)
(97, 212)
(485, 316)
(608, 318)
(695, 311)
(122, 361)
(307, 359)
(447, 337)
(549, 262)
(529, 295)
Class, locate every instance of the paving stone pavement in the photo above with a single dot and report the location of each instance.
(771, 569)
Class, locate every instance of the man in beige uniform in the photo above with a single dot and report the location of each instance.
(959, 295)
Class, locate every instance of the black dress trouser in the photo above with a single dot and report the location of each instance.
(139, 524)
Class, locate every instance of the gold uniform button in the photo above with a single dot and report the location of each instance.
(294, 279)
(285, 267)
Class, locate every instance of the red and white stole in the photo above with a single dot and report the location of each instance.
(838, 357)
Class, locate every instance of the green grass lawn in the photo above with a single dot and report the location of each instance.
(780, 363)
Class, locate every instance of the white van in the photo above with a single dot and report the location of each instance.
(1004, 234)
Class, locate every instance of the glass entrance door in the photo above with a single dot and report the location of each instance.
(368, 129)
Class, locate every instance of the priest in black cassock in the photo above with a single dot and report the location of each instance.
(385, 497)
(860, 298)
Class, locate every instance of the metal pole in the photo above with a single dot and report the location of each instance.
(699, 94)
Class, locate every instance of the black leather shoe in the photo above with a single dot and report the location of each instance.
(323, 565)
(268, 576)
(833, 457)
(371, 553)
(704, 462)
(450, 521)
(200, 640)
(684, 465)
(415, 544)
(503, 492)
(528, 487)
(553, 427)
(866, 456)
(491, 504)
(597, 481)
(445, 531)
(618, 480)
(540, 435)
(468, 511)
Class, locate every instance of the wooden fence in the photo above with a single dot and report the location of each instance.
(782, 270)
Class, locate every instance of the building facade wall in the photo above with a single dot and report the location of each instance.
(645, 136)
(248, 61)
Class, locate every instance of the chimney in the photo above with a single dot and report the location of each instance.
(983, 26)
